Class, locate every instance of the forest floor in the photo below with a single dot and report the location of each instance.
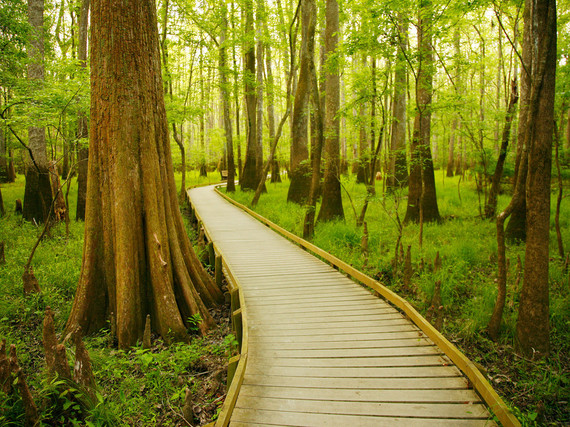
(538, 391)
(137, 387)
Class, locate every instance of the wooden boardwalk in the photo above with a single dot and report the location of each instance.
(323, 350)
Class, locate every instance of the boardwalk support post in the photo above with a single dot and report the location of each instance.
(218, 271)
(237, 325)
(232, 367)
(211, 254)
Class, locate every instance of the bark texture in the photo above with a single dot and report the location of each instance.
(82, 123)
(533, 320)
(331, 207)
(249, 177)
(422, 199)
(137, 259)
(300, 170)
(224, 81)
(398, 173)
(37, 194)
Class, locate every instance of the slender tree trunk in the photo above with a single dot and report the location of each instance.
(137, 258)
(299, 165)
(491, 206)
(516, 227)
(398, 173)
(259, 88)
(202, 120)
(568, 131)
(226, 100)
(533, 325)
(422, 199)
(249, 176)
(363, 170)
(3, 157)
(37, 195)
(82, 132)
(331, 207)
(455, 121)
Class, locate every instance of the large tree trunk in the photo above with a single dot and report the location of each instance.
(331, 207)
(82, 125)
(137, 258)
(300, 170)
(249, 177)
(533, 320)
(422, 199)
(37, 194)
(398, 173)
(224, 71)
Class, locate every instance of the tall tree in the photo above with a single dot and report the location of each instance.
(398, 173)
(225, 89)
(422, 199)
(516, 227)
(300, 171)
(37, 195)
(82, 123)
(455, 120)
(533, 319)
(137, 258)
(331, 207)
(249, 177)
(363, 170)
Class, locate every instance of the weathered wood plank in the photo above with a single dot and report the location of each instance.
(420, 410)
(394, 326)
(427, 360)
(362, 395)
(248, 417)
(364, 336)
(368, 372)
(272, 352)
(350, 344)
(428, 383)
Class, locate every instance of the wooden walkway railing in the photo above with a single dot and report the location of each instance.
(317, 348)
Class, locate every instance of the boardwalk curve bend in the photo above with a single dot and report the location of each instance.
(319, 349)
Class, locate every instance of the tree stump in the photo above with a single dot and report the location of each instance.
(31, 285)
(19, 209)
(2, 253)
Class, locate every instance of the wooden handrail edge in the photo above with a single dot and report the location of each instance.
(479, 382)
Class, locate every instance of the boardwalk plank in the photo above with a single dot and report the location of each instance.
(429, 383)
(420, 410)
(361, 395)
(248, 417)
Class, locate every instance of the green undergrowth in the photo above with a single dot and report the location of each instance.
(138, 387)
(538, 391)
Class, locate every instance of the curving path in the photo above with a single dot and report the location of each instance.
(322, 350)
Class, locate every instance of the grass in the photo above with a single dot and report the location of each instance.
(537, 391)
(140, 387)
